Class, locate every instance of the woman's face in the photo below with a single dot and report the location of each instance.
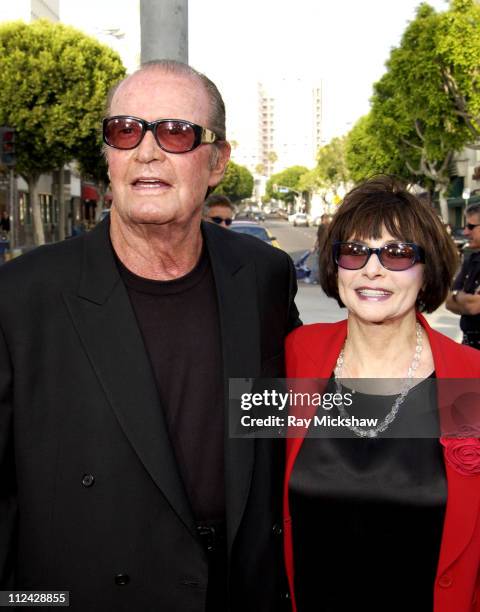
(374, 294)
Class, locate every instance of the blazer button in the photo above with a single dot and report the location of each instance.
(88, 480)
(445, 581)
(122, 579)
(277, 529)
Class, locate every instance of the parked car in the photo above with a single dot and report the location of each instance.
(459, 238)
(254, 229)
(256, 214)
(301, 219)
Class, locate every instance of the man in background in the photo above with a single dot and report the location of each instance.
(218, 209)
(464, 299)
(5, 222)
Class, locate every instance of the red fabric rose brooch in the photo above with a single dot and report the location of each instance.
(463, 454)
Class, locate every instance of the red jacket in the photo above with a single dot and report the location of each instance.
(311, 352)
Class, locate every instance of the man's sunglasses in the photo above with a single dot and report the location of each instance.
(395, 256)
(220, 220)
(171, 135)
(471, 226)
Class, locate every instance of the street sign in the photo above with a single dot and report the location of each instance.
(283, 189)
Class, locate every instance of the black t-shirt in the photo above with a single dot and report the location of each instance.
(179, 322)
(468, 280)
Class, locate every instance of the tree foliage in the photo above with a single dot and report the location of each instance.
(290, 177)
(458, 49)
(366, 153)
(331, 170)
(55, 80)
(415, 125)
(237, 182)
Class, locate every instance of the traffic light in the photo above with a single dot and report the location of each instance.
(7, 146)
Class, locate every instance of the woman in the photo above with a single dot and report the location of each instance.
(375, 520)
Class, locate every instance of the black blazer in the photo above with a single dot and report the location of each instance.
(90, 499)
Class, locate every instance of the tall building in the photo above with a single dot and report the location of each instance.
(289, 123)
(276, 125)
(242, 123)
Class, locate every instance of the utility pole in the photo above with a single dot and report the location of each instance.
(13, 210)
(164, 30)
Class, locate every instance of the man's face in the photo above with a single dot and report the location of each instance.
(151, 186)
(221, 215)
(473, 235)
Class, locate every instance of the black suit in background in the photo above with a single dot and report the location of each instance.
(91, 499)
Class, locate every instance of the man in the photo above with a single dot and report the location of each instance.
(218, 209)
(119, 481)
(464, 299)
(5, 222)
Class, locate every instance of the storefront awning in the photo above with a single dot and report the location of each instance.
(89, 192)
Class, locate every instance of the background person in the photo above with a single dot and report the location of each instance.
(375, 520)
(464, 299)
(5, 222)
(218, 209)
(129, 492)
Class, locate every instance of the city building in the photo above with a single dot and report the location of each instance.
(30, 10)
(274, 126)
(289, 123)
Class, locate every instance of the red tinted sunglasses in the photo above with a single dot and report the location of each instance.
(171, 135)
(395, 256)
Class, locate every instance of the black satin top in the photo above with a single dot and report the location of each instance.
(368, 515)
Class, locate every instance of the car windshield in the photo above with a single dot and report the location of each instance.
(252, 230)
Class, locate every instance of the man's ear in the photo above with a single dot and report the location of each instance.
(219, 162)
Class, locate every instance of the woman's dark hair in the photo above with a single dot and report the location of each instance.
(383, 201)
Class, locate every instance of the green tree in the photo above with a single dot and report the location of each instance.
(331, 170)
(366, 153)
(290, 177)
(309, 181)
(415, 127)
(54, 84)
(237, 183)
(412, 112)
(458, 50)
(331, 165)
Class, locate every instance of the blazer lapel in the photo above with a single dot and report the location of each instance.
(104, 319)
(315, 364)
(240, 332)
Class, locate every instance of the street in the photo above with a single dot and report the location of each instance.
(313, 304)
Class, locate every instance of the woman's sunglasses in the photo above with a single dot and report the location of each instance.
(395, 256)
(171, 135)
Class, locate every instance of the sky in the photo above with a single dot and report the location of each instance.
(343, 43)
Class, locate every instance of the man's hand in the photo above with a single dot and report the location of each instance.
(463, 303)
